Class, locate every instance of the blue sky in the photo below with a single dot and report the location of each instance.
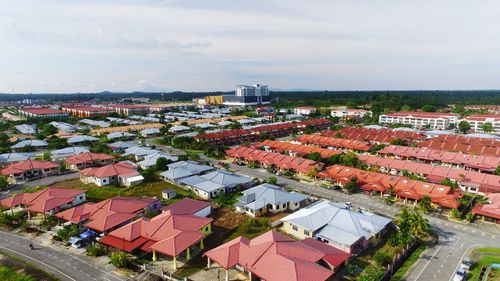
(91, 45)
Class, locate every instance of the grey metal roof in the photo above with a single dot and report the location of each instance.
(117, 135)
(26, 129)
(139, 151)
(65, 127)
(150, 159)
(95, 123)
(337, 223)
(150, 131)
(34, 143)
(179, 128)
(77, 139)
(16, 157)
(123, 144)
(269, 194)
(184, 169)
(68, 151)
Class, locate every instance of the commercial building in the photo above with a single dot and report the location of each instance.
(350, 113)
(248, 96)
(477, 122)
(87, 111)
(304, 110)
(128, 109)
(418, 120)
(32, 112)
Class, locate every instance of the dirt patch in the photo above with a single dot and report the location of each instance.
(25, 268)
(228, 220)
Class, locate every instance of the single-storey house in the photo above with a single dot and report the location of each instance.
(89, 159)
(121, 173)
(150, 159)
(211, 184)
(183, 169)
(30, 169)
(64, 153)
(37, 144)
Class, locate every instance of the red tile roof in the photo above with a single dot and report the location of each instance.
(186, 206)
(471, 145)
(281, 146)
(335, 142)
(41, 111)
(28, 165)
(88, 157)
(491, 210)
(403, 187)
(298, 164)
(111, 170)
(382, 135)
(44, 200)
(332, 256)
(106, 214)
(166, 233)
(272, 256)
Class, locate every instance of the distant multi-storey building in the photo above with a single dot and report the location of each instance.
(304, 110)
(248, 96)
(87, 111)
(129, 109)
(33, 112)
(477, 121)
(417, 119)
(350, 113)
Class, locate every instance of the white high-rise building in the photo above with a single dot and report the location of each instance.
(248, 95)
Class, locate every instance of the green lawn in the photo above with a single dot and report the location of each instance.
(486, 257)
(8, 274)
(408, 263)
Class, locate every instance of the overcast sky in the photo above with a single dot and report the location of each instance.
(120, 45)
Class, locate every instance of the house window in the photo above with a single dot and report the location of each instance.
(306, 232)
(295, 228)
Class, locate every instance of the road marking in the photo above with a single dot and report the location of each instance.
(432, 257)
(38, 261)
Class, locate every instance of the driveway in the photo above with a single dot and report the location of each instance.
(64, 265)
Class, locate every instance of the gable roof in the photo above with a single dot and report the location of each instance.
(272, 256)
(186, 206)
(34, 143)
(259, 196)
(77, 139)
(182, 169)
(88, 157)
(27, 165)
(44, 200)
(215, 180)
(118, 169)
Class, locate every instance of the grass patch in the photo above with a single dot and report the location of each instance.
(8, 274)
(483, 257)
(250, 228)
(25, 271)
(188, 271)
(408, 263)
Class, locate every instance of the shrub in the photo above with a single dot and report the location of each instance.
(94, 250)
(119, 259)
(67, 231)
(382, 258)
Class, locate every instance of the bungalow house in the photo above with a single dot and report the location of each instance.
(37, 144)
(109, 214)
(46, 201)
(82, 139)
(211, 184)
(179, 129)
(120, 135)
(271, 256)
(491, 211)
(188, 206)
(337, 225)
(30, 169)
(89, 159)
(62, 154)
(121, 146)
(264, 198)
(150, 159)
(139, 152)
(183, 169)
(167, 234)
(121, 173)
(150, 132)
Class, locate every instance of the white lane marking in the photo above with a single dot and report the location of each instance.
(38, 261)
(432, 257)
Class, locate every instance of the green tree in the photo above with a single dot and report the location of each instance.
(311, 173)
(497, 171)
(100, 148)
(149, 175)
(4, 183)
(272, 180)
(352, 185)
(455, 214)
(463, 126)
(398, 141)
(419, 225)
(425, 204)
(487, 127)
(382, 258)
(406, 108)
(449, 182)
(469, 217)
(349, 159)
(429, 108)
(371, 273)
(161, 164)
(119, 259)
(315, 156)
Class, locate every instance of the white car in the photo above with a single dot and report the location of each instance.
(459, 275)
(466, 263)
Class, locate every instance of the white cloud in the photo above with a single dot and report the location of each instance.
(92, 45)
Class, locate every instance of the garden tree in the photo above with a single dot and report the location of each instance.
(382, 258)
(419, 225)
(406, 108)
(311, 173)
(4, 183)
(449, 182)
(308, 130)
(57, 143)
(226, 199)
(161, 163)
(315, 156)
(46, 156)
(469, 217)
(425, 204)
(429, 108)
(349, 159)
(398, 141)
(272, 180)
(235, 125)
(352, 185)
(463, 126)
(459, 109)
(497, 171)
(100, 148)
(119, 259)
(376, 148)
(184, 123)
(149, 175)
(28, 148)
(455, 214)
(332, 160)
(165, 128)
(265, 136)
(487, 127)
(46, 130)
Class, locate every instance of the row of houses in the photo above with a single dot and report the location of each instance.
(375, 135)
(436, 157)
(294, 149)
(338, 143)
(274, 160)
(470, 145)
(469, 181)
(403, 187)
(231, 137)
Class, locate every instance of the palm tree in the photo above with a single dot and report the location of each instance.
(425, 204)
(419, 225)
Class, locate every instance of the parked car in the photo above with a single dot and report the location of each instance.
(459, 275)
(466, 263)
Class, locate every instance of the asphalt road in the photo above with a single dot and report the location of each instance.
(64, 265)
(439, 262)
